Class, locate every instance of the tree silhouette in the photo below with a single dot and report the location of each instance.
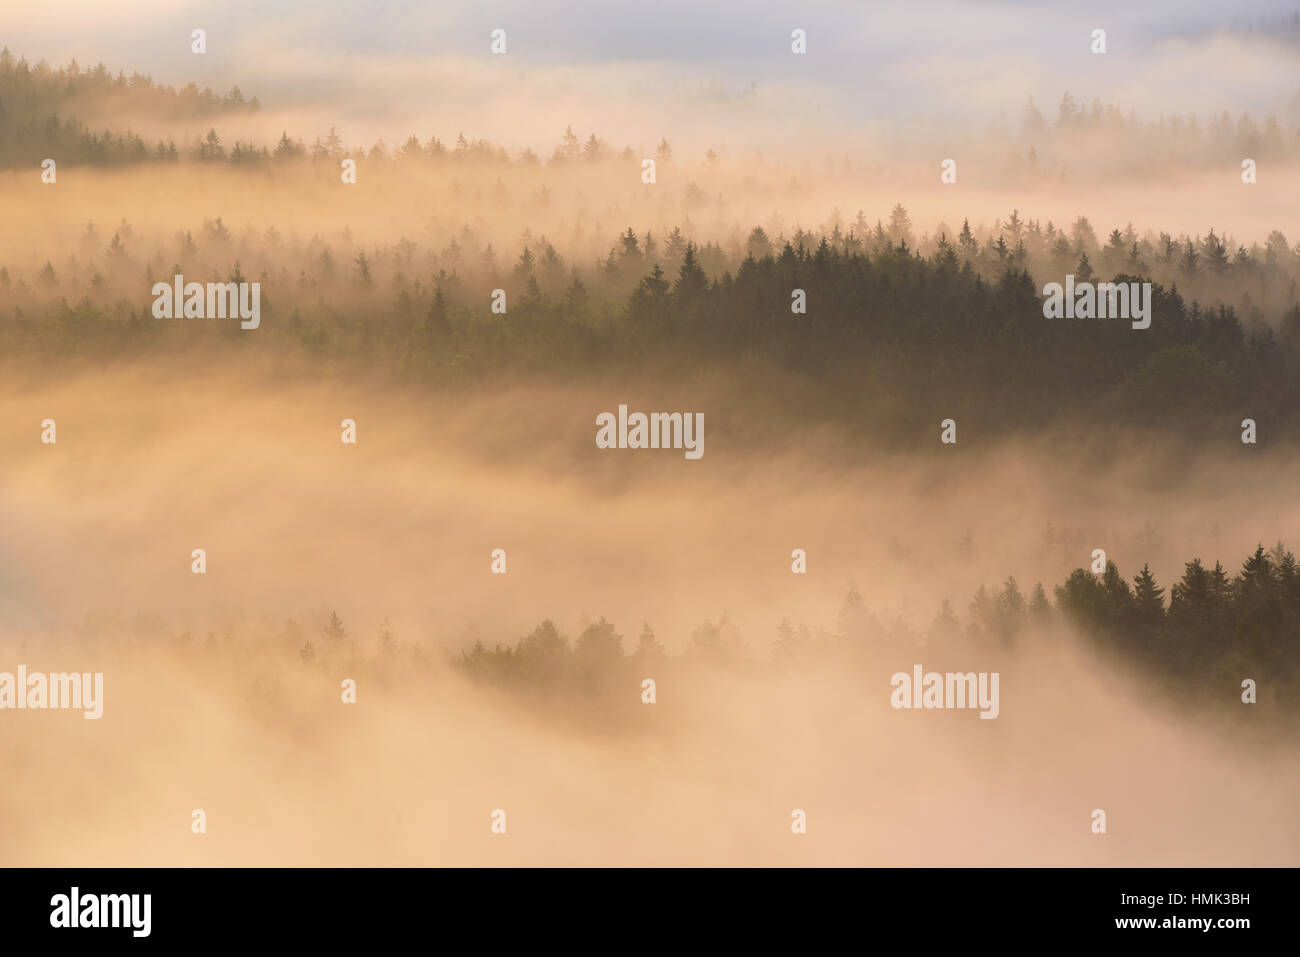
(334, 632)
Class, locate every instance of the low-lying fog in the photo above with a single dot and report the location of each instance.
(153, 461)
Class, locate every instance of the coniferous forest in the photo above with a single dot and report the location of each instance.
(942, 317)
(399, 467)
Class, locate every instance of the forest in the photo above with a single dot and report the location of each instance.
(906, 323)
(360, 567)
(45, 109)
(946, 314)
(939, 308)
(1211, 632)
(961, 328)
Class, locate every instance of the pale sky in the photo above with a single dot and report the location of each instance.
(633, 71)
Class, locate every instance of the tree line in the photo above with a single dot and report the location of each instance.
(932, 331)
(49, 112)
(1209, 629)
(44, 109)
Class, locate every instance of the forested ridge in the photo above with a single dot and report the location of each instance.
(1210, 629)
(43, 108)
(1196, 638)
(881, 319)
(905, 323)
(46, 111)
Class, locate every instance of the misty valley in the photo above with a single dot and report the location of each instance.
(354, 477)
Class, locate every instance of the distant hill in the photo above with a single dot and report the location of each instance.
(85, 115)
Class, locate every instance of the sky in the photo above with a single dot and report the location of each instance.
(634, 71)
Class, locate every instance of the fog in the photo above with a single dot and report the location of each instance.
(688, 71)
(377, 562)
(152, 462)
(155, 460)
(412, 220)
